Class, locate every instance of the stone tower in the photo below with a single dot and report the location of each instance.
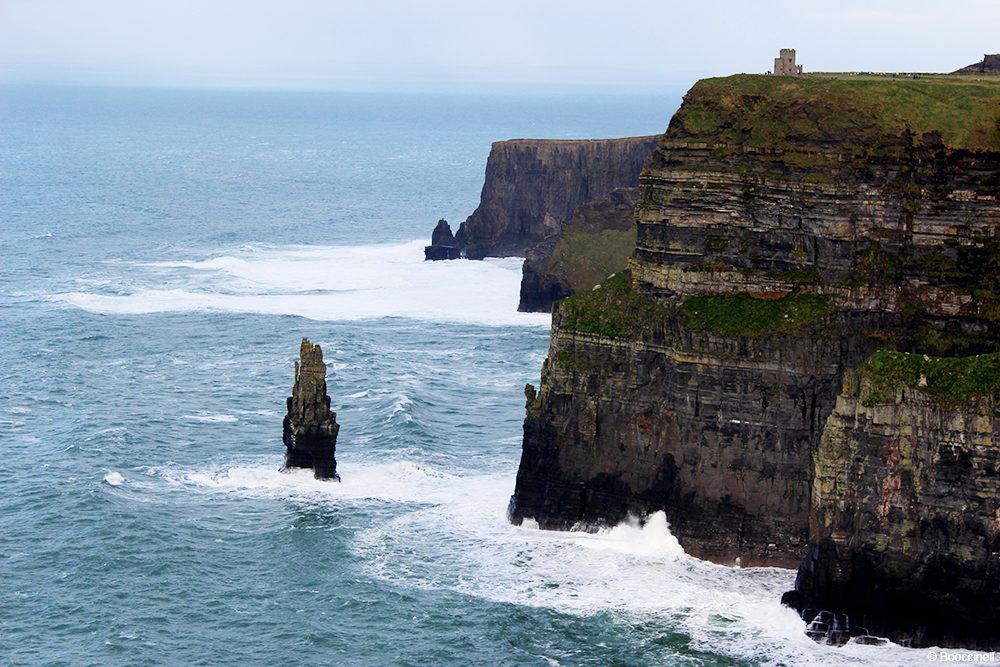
(310, 428)
(784, 64)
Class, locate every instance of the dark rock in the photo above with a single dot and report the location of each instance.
(442, 234)
(539, 288)
(532, 188)
(443, 244)
(910, 548)
(719, 425)
(596, 242)
(990, 64)
(715, 431)
(440, 252)
(310, 428)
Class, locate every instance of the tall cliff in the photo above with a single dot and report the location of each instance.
(786, 230)
(905, 516)
(532, 188)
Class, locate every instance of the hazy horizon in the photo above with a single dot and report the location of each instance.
(310, 45)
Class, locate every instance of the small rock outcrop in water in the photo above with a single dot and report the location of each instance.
(443, 244)
(310, 428)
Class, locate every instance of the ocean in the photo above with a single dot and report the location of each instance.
(162, 253)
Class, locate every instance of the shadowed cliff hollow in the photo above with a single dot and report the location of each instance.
(787, 230)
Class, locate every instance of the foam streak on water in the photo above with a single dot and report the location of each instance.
(341, 283)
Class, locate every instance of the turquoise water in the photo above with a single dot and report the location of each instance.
(161, 255)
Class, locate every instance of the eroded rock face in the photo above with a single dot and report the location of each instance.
(310, 428)
(533, 186)
(715, 431)
(905, 518)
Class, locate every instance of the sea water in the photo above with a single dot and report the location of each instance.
(162, 253)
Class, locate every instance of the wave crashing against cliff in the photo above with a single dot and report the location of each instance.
(786, 231)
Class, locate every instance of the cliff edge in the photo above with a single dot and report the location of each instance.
(905, 520)
(787, 230)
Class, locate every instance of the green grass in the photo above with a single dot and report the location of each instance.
(585, 259)
(953, 381)
(613, 310)
(851, 111)
(745, 315)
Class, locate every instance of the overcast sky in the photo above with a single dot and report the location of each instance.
(337, 44)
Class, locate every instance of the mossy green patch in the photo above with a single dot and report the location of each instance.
(584, 259)
(953, 381)
(613, 310)
(851, 111)
(745, 315)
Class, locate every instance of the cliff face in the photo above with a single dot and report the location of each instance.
(533, 187)
(786, 229)
(596, 242)
(714, 430)
(906, 514)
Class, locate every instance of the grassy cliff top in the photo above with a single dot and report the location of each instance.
(953, 381)
(778, 111)
(612, 309)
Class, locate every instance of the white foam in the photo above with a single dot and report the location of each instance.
(395, 481)
(212, 419)
(401, 406)
(639, 573)
(453, 534)
(342, 283)
(114, 478)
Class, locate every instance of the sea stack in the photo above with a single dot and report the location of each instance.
(443, 245)
(310, 428)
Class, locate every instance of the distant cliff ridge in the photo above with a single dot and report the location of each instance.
(787, 230)
(533, 187)
(990, 64)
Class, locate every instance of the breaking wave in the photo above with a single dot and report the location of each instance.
(340, 283)
(452, 533)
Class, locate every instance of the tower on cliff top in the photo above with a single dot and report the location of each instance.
(784, 64)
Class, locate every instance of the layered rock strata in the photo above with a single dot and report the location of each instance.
(786, 229)
(310, 428)
(532, 188)
(905, 517)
